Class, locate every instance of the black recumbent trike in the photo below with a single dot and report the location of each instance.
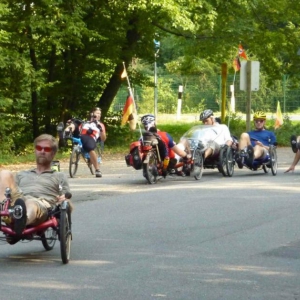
(56, 227)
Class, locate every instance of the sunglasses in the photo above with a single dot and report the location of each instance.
(40, 148)
(259, 121)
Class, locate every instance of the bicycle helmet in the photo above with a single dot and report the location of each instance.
(259, 115)
(148, 121)
(206, 114)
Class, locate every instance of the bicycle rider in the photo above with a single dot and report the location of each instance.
(91, 131)
(171, 148)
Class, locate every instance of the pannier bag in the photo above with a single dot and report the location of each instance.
(134, 158)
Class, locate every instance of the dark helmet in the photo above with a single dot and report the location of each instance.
(206, 114)
(146, 119)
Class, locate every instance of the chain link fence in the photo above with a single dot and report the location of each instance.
(204, 91)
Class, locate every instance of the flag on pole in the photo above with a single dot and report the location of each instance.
(236, 64)
(279, 119)
(128, 110)
(124, 73)
(242, 52)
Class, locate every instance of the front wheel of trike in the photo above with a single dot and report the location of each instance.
(197, 165)
(65, 234)
(49, 238)
(150, 168)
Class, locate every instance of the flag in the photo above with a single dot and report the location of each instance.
(279, 119)
(236, 64)
(242, 52)
(124, 73)
(128, 110)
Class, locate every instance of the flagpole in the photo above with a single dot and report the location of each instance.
(131, 94)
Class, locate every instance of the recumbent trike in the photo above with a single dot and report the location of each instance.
(56, 227)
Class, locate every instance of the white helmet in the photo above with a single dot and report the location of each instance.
(148, 121)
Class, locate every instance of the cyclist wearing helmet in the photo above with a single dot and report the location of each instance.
(218, 136)
(149, 124)
(256, 142)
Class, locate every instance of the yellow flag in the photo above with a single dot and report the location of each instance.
(124, 74)
(279, 119)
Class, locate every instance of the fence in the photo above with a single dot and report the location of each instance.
(205, 92)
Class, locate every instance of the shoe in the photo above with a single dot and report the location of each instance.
(250, 153)
(98, 173)
(12, 239)
(239, 159)
(180, 173)
(294, 143)
(19, 216)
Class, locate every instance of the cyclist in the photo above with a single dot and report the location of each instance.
(218, 136)
(35, 191)
(170, 146)
(295, 144)
(255, 143)
(90, 132)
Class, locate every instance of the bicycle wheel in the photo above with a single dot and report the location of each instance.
(229, 162)
(150, 167)
(65, 235)
(273, 160)
(197, 165)
(73, 164)
(222, 160)
(49, 238)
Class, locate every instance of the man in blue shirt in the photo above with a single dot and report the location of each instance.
(256, 142)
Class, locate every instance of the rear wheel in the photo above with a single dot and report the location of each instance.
(65, 235)
(273, 160)
(197, 165)
(49, 238)
(150, 167)
(73, 165)
(229, 162)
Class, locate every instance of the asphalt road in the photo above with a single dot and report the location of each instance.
(217, 238)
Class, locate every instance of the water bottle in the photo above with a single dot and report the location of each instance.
(99, 159)
(166, 162)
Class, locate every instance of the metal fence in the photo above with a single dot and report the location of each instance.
(207, 92)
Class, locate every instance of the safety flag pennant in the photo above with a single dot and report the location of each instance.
(236, 64)
(242, 52)
(128, 110)
(279, 119)
(124, 73)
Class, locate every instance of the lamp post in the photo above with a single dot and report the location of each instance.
(156, 50)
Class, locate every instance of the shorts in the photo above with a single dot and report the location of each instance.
(88, 143)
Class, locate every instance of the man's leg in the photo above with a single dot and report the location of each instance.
(244, 141)
(37, 211)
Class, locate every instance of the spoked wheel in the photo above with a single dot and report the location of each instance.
(273, 160)
(222, 160)
(65, 234)
(229, 162)
(265, 169)
(197, 165)
(49, 238)
(73, 165)
(150, 168)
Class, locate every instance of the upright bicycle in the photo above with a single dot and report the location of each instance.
(78, 152)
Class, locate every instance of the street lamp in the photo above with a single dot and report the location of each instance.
(156, 50)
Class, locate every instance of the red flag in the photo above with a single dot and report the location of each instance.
(236, 64)
(279, 119)
(128, 110)
(242, 52)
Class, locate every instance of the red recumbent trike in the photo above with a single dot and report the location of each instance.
(56, 227)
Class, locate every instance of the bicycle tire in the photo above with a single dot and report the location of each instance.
(197, 165)
(273, 160)
(73, 164)
(150, 168)
(229, 162)
(49, 238)
(65, 235)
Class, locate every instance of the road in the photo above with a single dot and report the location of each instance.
(217, 238)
